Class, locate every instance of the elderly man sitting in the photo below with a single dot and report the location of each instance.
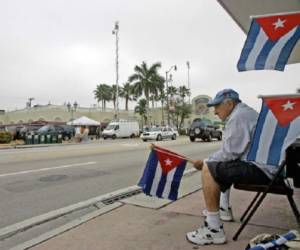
(227, 166)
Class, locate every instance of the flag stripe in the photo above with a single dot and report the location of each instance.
(276, 145)
(276, 57)
(260, 62)
(175, 183)
(153, 160)
(292, 134)
(159, 182)
(292, 37)
(168, 183)
(248, 47)
(259, 126)
(265, 139)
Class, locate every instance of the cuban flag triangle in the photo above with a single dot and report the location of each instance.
(277, 127)
(162, 174)
(270, 42)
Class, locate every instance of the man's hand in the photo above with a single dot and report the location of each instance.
(198, 164)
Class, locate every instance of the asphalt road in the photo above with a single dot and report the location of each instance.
(34, 181)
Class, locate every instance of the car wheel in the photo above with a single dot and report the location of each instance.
(208, 137)
(192, 139)
(174, 137)
(159, 138)
(104, 138)
(113, 137)
(144, 139)
(220, 137)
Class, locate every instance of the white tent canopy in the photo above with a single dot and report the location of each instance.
(84, 121)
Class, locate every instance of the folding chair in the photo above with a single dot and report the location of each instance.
(276, 148)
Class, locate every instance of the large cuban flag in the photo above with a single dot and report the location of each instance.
(270, 42)
(277, 127)
(162, 174)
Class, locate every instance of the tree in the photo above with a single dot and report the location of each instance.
(145, 80)
(103, 93)
(127, 93)
(183, 92)
(182, 112)
(141, 109)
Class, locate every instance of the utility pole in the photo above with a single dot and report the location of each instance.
(167, 96)
(116, 32)
(188, 80)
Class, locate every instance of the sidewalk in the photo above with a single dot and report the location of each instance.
(141, 222)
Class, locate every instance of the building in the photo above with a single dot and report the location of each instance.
(61, 113)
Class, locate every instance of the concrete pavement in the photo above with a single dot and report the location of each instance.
(142, 222)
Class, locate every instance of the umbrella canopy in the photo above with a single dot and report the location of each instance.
(84, 121)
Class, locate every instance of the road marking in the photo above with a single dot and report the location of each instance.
(131, 145)
(46, 169)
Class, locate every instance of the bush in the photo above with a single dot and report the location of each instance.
(5, 137)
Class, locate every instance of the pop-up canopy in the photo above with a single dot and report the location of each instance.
(241, 10)
(84, 121)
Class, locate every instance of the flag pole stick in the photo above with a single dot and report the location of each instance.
(153, 146)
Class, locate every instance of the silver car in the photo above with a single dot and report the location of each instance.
(159, 133)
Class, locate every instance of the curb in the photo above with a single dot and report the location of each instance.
(107, 199)
(66, 227)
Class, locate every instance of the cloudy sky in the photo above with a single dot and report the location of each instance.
(58, 51)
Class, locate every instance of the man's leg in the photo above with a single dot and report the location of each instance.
(212, 232)
(211, 190)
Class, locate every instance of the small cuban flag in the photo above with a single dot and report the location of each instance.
(277, 127)
(163, 173)
(270, 42)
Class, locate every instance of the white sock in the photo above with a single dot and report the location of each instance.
(213, 220)
(224, 199)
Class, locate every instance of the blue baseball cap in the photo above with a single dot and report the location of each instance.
(222, 95)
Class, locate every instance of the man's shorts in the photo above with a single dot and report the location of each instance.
(231, 172)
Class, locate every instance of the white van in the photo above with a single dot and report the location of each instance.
(121, 129)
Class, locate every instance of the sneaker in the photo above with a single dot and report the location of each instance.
(206, 235)
(225, 215)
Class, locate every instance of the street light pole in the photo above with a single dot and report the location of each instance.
(188, 79)
(72, 109)
(167, 96)
(116, 32)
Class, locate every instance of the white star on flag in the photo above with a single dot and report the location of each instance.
(168, 162)
(288, 105)
(279, 23)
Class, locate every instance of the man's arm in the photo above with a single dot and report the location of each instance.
(237, 139)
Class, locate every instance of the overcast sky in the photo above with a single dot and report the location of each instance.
(58, 51)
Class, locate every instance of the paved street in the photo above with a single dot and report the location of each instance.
(35, 181)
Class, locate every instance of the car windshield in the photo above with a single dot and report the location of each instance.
(110, 127)
(154, 129)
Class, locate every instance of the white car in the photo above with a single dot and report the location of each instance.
(159, 133)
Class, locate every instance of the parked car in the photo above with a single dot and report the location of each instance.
(67, 131)
(204, 129)
(159, 133)
(26, 129)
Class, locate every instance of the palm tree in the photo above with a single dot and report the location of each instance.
(183, 92)
(172, 91)
(141, 109)
(145, 80)
(127, 93)
(102, 93)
